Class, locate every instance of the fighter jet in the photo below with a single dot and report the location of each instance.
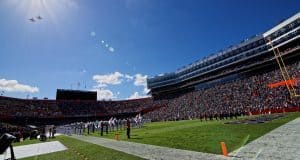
(32, 19)
(39, 17)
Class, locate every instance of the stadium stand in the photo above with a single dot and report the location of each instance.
(244, 96)
(235, 59)
(233, 81)
(38, 112)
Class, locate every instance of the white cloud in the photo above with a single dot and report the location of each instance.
(104, 94)
(141, 80)
(93, 34)
(106, 45)
(116, 78)
(15, 86)
(111, 49)
(128, 77)
(136, 95)
(100, 85)
(104, 80)
(102, 42)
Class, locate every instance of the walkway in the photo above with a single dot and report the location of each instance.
(281, 143)
(35, 149)
(147, 151)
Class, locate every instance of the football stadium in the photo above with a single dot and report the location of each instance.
(242, 102)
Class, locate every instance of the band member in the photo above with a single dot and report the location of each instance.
(102, 126)
(128, 128)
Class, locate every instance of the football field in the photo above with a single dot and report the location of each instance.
(191, 135)
(200, 136)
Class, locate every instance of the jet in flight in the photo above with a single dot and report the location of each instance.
(32, 19)
(39, 17)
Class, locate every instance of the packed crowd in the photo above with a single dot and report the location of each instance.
(238, 97)
(12, 107)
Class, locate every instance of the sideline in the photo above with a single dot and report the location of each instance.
(147, 151)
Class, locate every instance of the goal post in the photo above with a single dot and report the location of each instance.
(292, 88)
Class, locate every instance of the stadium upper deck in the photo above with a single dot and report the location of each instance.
(255, 49)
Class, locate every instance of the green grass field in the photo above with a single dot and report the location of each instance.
(200, 136)
(190, 135)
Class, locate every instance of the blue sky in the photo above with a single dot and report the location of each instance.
(112, 45)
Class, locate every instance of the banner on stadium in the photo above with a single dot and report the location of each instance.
(290, 82)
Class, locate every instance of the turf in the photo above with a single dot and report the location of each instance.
(200, 136)
(78, 150)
